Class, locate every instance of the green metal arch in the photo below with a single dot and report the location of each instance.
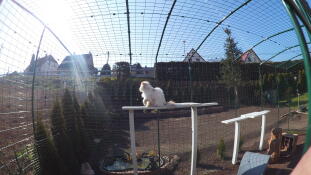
(272, 36)
(164, 28)
(277, 66)
(294, 11)
(282, 51)
(218, 24)
(294, 65)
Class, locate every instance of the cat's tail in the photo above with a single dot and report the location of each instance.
(170, 103)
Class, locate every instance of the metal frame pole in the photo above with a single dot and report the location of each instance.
(156, 61)
(33, 83)
(133, 144)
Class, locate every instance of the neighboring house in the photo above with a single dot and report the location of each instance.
(195, 58)
(250, 57)
(106, 70)
(136, 70)
(142, 72)
(45, 66)
(149, 72)
(77, 63)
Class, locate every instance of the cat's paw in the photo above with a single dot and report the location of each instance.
(155, 111)
(148, 104)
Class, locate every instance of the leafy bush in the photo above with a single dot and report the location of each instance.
(241, 143)
(221, 148)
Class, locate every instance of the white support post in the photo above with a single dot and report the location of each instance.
(236, 143)
(133, 145)
(194, 122)
(262, 134)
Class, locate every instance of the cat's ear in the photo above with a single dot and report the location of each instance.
(143, 83)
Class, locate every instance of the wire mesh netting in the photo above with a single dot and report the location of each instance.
(68, 67)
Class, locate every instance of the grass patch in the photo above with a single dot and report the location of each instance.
(295, 131)
(303, 100)
(27, 152)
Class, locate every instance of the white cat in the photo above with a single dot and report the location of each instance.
(152, 96)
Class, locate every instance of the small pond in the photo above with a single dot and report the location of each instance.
(124, 163)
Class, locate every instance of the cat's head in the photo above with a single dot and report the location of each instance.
(144, 85)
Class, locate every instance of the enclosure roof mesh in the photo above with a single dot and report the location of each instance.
(101, 26)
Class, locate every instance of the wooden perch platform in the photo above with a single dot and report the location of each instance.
(171, 106)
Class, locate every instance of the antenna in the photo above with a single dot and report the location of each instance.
(108, 57)
(184, 47)
(1, 44)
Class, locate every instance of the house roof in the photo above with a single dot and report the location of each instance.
(195, 55)
(81, 61)
(40, 62)
(47, 58)
(106, 67)
(250, 56)
(68, 61)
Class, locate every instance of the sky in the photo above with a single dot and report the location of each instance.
(100, 26)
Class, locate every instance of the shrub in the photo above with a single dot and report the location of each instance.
(221, 148)
(68, 110)
(49, 160)
(241, 143)
(63, 142)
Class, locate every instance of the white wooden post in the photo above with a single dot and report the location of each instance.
(133, 145)
(263, 128)
(194, 122)
(236, 143)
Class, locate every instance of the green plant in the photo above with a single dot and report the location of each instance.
(62, 141)
(49, 159)
(19, 165)
(122, 70)
(26, 152)
(68, 110)
(230, 67)
(83, 147)
(221, 148)
(199, 156)
(241, 143)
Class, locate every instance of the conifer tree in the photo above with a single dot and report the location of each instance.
(62, 141)
(80, 135)
(49, 160)
(71, 112)
(84, 139)
(76, 104)
(230, 66)
(68, 113)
